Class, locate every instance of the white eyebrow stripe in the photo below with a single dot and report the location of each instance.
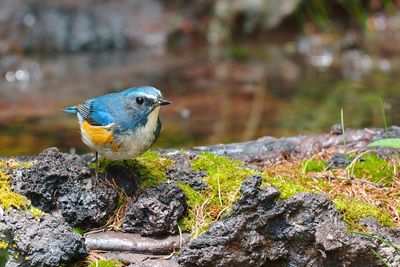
(148, 96)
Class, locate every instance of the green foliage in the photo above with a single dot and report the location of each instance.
(388, 142)
(314, 166)
(149, 166)
(238, 52)
(382, 240)
(105, 263)
(289, 186)
(374, 169)
(353, 211)
(194, 199)
(78, 230)
(342, 124)
(383, 113)
(225, 177)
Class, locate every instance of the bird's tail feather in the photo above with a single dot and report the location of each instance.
(71, 109)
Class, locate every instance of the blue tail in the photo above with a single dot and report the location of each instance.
(71, 109)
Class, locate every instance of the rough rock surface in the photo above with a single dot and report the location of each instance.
(156, 211)
(44, 241)
(64, 181)
(182, 171)
(305, 230)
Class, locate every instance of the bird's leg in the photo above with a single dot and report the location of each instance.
(96, 159)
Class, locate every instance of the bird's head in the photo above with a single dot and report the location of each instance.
(143, 100)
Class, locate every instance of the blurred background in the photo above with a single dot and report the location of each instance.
(234, 69)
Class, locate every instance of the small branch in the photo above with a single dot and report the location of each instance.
(117, 241)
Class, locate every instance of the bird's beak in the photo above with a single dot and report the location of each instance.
(163, 102)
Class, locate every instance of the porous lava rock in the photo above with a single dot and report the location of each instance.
(44, 241)
(182, 171)
(305, 230)
(60, 181)
(156, 210)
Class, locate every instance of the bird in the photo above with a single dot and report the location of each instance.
(122, 125)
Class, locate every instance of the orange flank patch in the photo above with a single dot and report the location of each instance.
(99, 135)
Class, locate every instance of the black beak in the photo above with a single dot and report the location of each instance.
(163, 102)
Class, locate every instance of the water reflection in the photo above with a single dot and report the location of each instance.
(217, 96)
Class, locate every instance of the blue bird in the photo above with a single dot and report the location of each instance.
(121, 125)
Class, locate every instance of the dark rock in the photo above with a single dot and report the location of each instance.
(253, 198)
(336, 129)
(182, 171)
(305, 230)
(86, 204)
(46, 241)
(339, 161)
(64, 181)
(123, 178)
(156, 211)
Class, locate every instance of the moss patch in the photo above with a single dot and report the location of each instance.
(225, 177)
(353, 211)
(374, 169)
(3, 244)
(104, 263)
(288, 186)
(78, 230)
(149, 166)
(8, 198)
(314, 166)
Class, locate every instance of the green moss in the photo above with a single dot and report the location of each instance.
(353, 211)
(314, 166)
(105, 263)
(3, 244)
(224, 178)
(78, 230)
(149, 166)
(374, 169)
(194, 200)
(289, 186)
(8, 198)
(36, 212)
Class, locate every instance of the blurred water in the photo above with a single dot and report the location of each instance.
(219, 95)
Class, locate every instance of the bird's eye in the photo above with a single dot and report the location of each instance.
(139, 100)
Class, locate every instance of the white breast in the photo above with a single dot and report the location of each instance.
(134, 143)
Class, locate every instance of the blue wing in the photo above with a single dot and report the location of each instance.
(92, 112)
